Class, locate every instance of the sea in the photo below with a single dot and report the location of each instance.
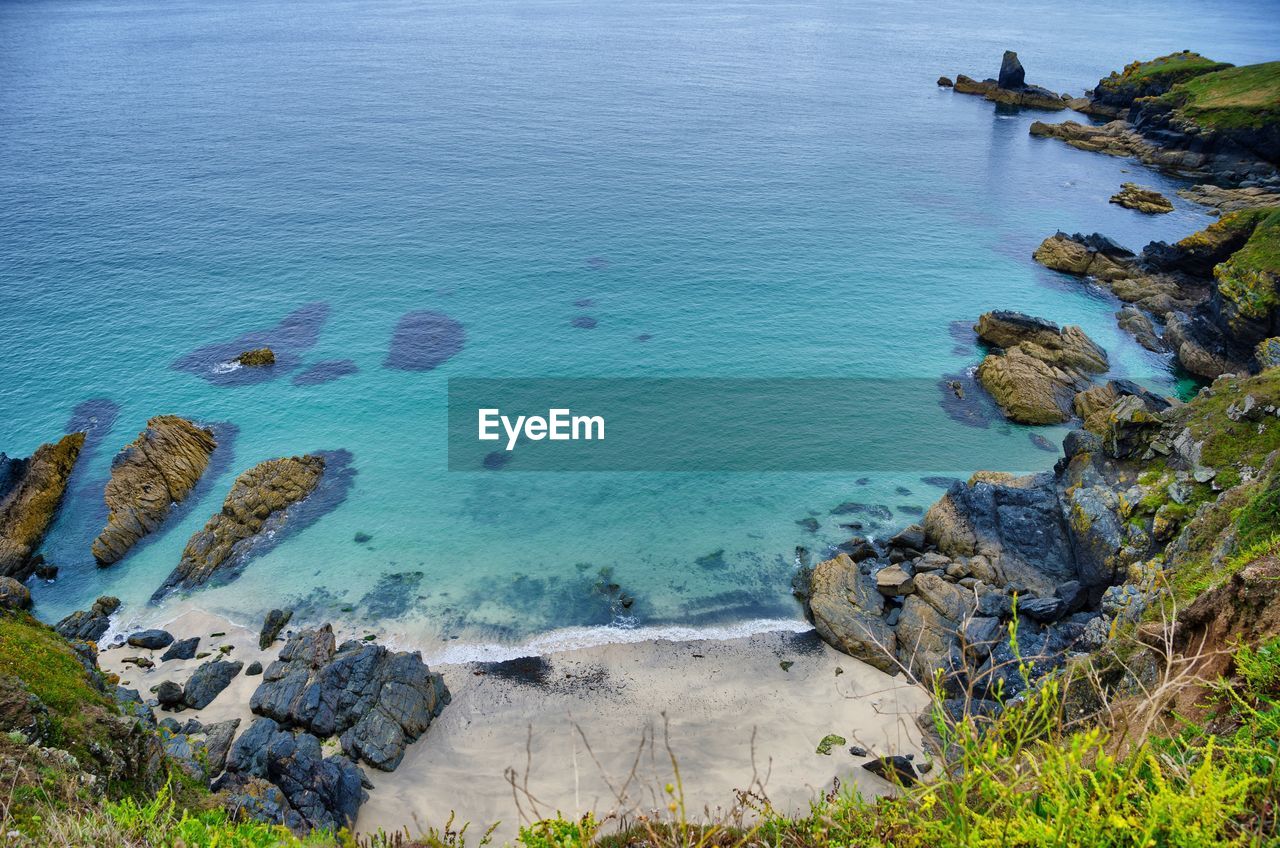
(574, 188)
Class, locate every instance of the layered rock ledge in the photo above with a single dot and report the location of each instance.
(157, 470)
(258, 501)
(30, 492)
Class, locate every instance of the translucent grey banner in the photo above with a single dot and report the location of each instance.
(732, 424)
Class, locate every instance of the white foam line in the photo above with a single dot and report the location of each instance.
(578, 638)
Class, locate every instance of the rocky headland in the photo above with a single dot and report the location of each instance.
(157, 470)
(1186, 114)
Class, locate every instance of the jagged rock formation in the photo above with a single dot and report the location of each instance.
(1118, 138)
(1038, 367)
(1215, 291)
(376, 701)
(1011, 87)
(1150, 201)
(1115, 94)
(208, 681)
(88, 626)
(259, 500)
(1073, 549)
(274, 622)
(32, 490)
(282, 777)
(159, 469)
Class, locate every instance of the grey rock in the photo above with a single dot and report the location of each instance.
(183, 649)
(151, 639)
(272, 625)
(1044, 610)
(89, 625)
(208, 681)
(894, 768)
(217, 742)
(846, 609)
(254, 669)
(169, 694)
(1012, 74)
(895, 580)
(376, 700)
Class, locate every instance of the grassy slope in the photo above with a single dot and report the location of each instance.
(1244, 97)
(1171, 68)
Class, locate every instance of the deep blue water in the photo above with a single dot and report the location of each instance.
(758, 189)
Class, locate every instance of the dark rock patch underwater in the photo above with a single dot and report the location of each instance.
(424, 340)
(297, 332)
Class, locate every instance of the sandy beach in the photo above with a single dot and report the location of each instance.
(587, 730)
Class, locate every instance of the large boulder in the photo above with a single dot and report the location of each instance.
(1016, 524)
(89, 625)
(847, 611)
(34, 493)
(157, 470)
(208, 681)
(1039, 368)
(376, 700)
(258, 501)
(152, 640)
(14, 595)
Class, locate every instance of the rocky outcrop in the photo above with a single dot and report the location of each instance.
(14, 595)
(259, 501)
(1215, 291)
(1066, 551)
(88, 626)
(1010, 87)
(257, 358)
(157, 470)
(280, 776)
(1133, 196)
(27, 508)
(1226, 200)
(1186, 114)
(274, 622)
(1038, 367)
(376, 701)
(848, 612)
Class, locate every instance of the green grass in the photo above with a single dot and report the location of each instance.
(1250, 277)
(36, 655)
(1234, 98)
(1171, 68)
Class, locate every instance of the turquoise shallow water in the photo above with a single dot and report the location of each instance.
(762, 189)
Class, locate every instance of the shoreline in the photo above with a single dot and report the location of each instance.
(592, 716)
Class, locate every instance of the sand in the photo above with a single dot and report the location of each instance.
(586, 730)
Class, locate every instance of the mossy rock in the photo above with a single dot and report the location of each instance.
(257, 358)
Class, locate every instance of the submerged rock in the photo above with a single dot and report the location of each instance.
(424, 340)
(34, 491)
(259, 500)
(159, 469)
(287, 340)
(376, 700)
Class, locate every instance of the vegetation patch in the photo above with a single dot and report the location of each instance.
(1247, 97)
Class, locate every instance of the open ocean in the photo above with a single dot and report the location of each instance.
(746, 189)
